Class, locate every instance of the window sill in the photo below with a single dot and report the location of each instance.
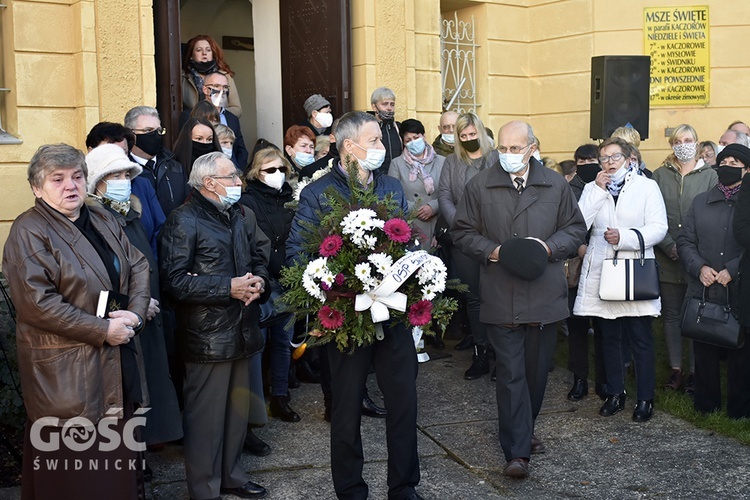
(6, 138)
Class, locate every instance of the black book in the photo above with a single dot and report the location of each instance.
(110, 301)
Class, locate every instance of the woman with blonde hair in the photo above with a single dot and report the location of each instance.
(681, 177)
(473, 153)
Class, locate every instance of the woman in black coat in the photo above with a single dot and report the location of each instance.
(266, 194)
(109, 169)
(710, 254)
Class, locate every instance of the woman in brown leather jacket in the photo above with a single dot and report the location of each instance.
(80, 371)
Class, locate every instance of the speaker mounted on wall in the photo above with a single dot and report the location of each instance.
(619, 94)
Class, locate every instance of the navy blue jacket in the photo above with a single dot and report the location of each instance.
(152, 216)
(312, 203)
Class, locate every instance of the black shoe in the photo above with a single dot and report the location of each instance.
(466, 343)
(247, 490)
(613, 404)
(436, 342)
(280, 409)
(644, 410)
(599, 389)
(537, 446)
(370, 409)
(306, 373)
(580, 389)
(493, 377)
(480, 365)
(256, 445)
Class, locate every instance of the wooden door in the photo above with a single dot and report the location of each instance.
(315, 55)
(168, 66)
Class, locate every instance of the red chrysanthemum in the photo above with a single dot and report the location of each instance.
(420, 313)
(331, 245)
(397, 230)
(340, 279)
(331, 318)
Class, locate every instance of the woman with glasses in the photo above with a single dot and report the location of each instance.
(617, 201)
(681, 177)
(203, 56)
(473, 153)
(707, 151)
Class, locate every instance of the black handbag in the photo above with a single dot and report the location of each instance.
(712, 323)
(630, 279)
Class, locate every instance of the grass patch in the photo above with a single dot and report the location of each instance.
(676, 403)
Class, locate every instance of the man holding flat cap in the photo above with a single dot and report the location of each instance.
(521, 221)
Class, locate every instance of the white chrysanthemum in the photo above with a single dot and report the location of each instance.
(312, 288)
(318, 267)
(329, 279)
(323, 171)
(370, 241)
(381, 261)
(428, 293)
(363, 219)
(362, 271)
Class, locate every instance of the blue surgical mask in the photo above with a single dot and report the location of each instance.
(118, 190)
(416, 147)
(448, 138)
(512, 163)
(227, 151)
(303, 159)
(232, 197)
(374, 158)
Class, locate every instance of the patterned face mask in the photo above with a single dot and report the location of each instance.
(685, 151)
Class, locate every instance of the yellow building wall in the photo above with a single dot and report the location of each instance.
(534, 61)
(70, 64)
(396, 44)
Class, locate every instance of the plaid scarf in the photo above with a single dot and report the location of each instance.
(417, 164)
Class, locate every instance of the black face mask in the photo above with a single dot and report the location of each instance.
(471, 146)
(587, 172)
(149, 143)
(202, 148)
(204, 67)
(729, 175)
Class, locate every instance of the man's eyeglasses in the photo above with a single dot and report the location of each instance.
(611, 158)
(215, 89)
(513, 149)
(234, 177)
(144, 131)
(273, 170)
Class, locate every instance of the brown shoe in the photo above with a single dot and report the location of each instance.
(675, 380)
(537, 446)
(518, 468)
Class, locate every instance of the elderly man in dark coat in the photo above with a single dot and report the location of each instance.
(521, 221)
(212, 267)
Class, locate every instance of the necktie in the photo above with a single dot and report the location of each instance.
(519, 184)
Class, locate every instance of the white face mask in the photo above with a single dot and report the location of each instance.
(619, 175)
(325, 119)
(536, 155)
(512, 163)
(448, 138)
(303, 159)
(227, 151)
(219, 100)
(685, 151)
(374, 158)
(719, 148)
(118, 190)
(274, 180)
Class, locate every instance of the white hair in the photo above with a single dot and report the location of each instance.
(204, 166)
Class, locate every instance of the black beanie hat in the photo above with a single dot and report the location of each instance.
(736, 151)
(523, 257)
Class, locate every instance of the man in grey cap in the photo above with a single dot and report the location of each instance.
(319, 117)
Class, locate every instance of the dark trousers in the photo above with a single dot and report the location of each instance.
(524, 356)
(578, 348)
(395, 362)
(637, 330)
(215, 424)
(708, 379)
(467, 270)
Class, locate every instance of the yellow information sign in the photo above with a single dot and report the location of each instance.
(676, 38)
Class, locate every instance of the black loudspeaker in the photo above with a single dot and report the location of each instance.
(619, 94)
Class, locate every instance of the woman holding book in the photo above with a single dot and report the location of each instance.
(77, 369)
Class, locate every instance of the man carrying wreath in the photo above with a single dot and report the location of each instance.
(358, 138)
